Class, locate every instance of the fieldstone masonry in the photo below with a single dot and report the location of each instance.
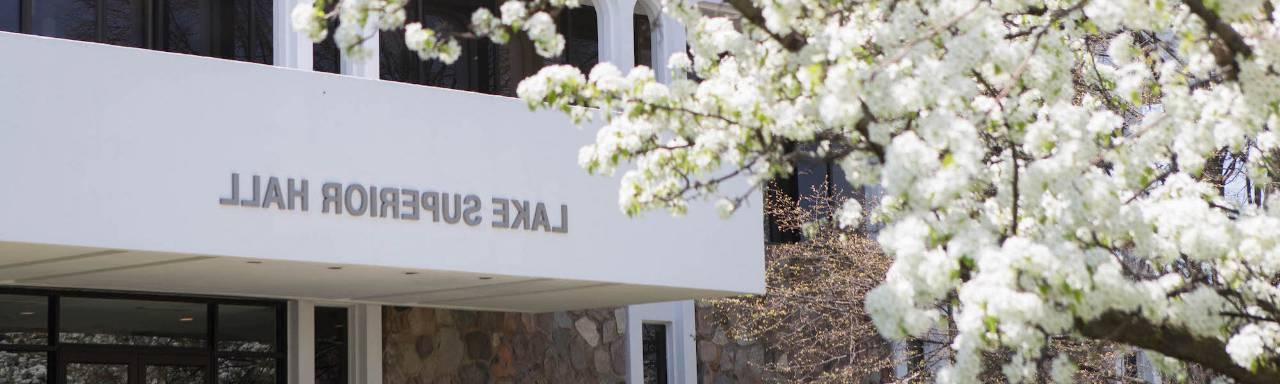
(443, 346)
(722, 360)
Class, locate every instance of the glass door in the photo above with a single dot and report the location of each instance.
(125, 367)
(162, 369)
(97, 373)
(96, 368)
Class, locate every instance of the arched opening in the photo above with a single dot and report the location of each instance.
(643, 29)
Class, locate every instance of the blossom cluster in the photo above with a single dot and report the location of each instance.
(531, 17)
(1045, 164)
(358, 19)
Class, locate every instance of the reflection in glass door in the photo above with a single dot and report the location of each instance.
(119, 366)
(97, 373)
(174, 374)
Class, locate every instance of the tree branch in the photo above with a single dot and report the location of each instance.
(1135, 330)
(1229, 36)
(792, 42)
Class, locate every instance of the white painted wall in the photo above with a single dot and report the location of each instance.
(134, 151)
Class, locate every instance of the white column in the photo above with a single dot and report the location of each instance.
(302, 342)
(613, 18)
(290, 49)
(685, 333)
(669, 38)
(368, 344)
(366, 67)
(635, 345)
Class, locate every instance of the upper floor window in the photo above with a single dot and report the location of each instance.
(230, 29)
(581, 38)
(642, 39)
(472, 72)
(9, 16)
(483, 66)
(808, 185)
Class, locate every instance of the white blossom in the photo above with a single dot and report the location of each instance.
(310, 21)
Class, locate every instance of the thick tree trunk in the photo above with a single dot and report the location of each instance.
(1133, 329)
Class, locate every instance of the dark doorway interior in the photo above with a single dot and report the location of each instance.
(331, 345)
(654, 339)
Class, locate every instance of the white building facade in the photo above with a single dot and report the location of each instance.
(188, 197)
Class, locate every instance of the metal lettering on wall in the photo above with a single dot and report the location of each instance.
(396, 204)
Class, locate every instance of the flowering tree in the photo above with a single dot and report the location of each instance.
(813, 324)
(1050, 169)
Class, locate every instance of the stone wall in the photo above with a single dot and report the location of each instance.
(442, 346)
(722, 360)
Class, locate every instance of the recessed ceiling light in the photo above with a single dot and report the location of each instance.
(27, 313)
(335, 268)
(486, 277)
(410, 273)
(186, 319)
(254, 262)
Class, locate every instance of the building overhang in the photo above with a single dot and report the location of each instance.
(135, 170)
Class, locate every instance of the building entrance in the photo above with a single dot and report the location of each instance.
(88, 337)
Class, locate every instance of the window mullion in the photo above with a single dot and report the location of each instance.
(101, 11)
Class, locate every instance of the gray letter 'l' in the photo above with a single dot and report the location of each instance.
(235, 192)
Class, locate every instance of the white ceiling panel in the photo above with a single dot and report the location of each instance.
(16, 254)
(96, 262)
(232, 276)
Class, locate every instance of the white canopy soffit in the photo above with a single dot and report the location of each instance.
(139, 170)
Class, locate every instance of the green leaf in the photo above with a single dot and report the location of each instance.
(1090, 27)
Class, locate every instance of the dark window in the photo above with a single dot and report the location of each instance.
(230, 29)
(642, 39)
(107, 337)
(812, 178)
(482, 66)
(246, 328)
(331, 345)
(10, 16)
(654, 341)
(325, 56)
(251, 38)
(24, 320)
(581, 38)
(472, 72)
(68, 19)
(122, 23)
(88, 320)
(187, 27)
(518, 59)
